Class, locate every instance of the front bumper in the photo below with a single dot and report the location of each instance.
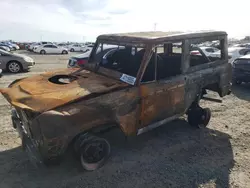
(27, 142)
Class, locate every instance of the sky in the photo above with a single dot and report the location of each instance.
(84, 20)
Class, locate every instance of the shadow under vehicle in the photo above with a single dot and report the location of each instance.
(141, 86)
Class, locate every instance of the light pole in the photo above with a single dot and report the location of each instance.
(155, 24)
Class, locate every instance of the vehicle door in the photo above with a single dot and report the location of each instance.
(162, 98)
(55, 49)
(77, 47)
(47, 48)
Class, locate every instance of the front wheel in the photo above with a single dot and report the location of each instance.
(14, 67)
(92, 151)
(72, 50)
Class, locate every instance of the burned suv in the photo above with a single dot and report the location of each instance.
(146, 83)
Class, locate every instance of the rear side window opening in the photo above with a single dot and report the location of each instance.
(166, 61)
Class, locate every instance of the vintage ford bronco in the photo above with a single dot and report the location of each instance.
(146, 82)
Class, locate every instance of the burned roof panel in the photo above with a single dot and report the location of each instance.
(157, 36)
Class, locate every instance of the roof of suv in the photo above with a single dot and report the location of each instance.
(158, 36)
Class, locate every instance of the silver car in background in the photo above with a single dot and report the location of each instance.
(5, 48)
(14, 63)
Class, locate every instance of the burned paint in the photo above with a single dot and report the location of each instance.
(57, 106)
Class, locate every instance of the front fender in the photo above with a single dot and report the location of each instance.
(55, 131)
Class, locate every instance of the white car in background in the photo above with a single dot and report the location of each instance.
(75, 47)
(234, 53)
(208, 51)
(51, 49)
(36, 44)
(7, 49)
(87, 48)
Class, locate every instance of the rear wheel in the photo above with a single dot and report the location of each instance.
(92, 151)
(199, 117)
(64, 52)
(72, 50)
(42, 52)
(14, 67)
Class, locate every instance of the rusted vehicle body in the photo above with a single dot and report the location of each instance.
(142, 86)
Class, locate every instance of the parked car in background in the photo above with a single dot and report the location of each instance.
(208, 51)
(1, 71)
(75, 47)
(81, 59)
(15, 46)
(31, 46)
(50, 49)
(14, 63)
(87, 48)
(244, 45)
(62, 44)
(241, 69)
(234, 53)
(35, 45)
(23, 45)
(5, 48)
(7, 45)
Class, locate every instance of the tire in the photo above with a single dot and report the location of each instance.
(72, 50)
(42, 52)
(86, 145)
(64, 52)
(199, 118)
(14, 67)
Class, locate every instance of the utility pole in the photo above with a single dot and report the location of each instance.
(155, 24)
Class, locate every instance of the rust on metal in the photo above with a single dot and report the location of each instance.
(57, 106)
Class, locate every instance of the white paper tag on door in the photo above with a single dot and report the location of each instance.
(128, 79)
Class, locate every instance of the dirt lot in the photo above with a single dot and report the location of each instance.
(174, 155)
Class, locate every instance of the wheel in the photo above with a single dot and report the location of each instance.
(14, 67)
(199, 117)
(72, 50)
(92, 151)
(64, 52)
(42, 52)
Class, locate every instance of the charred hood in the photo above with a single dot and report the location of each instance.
(53, 89)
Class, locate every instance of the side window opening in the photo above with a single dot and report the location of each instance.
(205, 52)
(169, 61)
(164, 63)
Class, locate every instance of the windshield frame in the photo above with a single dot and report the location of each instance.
(92, 65)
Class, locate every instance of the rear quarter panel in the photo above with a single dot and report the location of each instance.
(212, 76)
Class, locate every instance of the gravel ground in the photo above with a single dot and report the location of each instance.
(174, 155)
